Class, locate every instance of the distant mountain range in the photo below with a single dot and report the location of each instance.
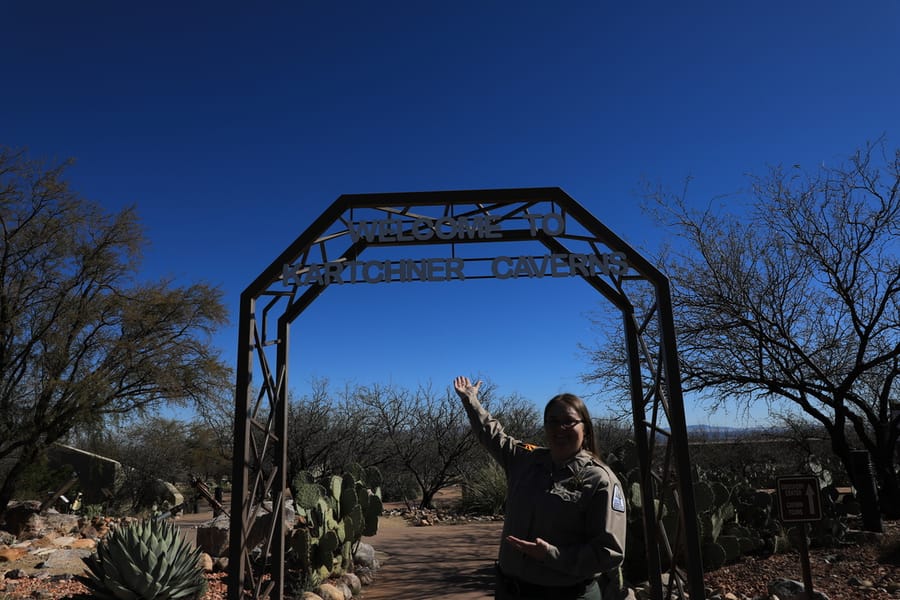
(719, 432)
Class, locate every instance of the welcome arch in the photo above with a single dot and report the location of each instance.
(445, 235)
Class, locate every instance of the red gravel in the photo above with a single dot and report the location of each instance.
(841, 573)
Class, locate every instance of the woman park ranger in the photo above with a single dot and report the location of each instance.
(565, 510)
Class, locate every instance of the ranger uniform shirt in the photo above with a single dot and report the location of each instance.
(577, 507)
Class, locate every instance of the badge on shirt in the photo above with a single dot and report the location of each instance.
(618, 500)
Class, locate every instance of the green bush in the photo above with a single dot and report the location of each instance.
(484, 493)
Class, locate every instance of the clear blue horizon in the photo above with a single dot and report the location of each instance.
(231, 127)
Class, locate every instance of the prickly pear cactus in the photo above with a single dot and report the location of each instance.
(332, 519)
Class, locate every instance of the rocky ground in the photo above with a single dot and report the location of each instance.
(868, 569)
(451, 557)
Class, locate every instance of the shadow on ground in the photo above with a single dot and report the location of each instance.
(452, 561)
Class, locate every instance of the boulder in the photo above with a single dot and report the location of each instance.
(329, 592)
(212, 536)
(343, 588)
(83, 544)
(167, 494)
(352, 582)
(789, 589)
(263, 523)
(66, 560)
(98, 477)
(365, 556)
(205, 562)
(12, 554)
(17, 517)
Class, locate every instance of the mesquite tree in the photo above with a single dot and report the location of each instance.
(796, 298)
(81, 338)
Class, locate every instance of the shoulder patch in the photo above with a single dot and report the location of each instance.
(618, 499)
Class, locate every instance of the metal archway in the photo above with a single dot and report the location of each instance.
(462, 223)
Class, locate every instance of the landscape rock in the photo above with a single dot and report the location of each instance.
(16, 574)
(205, 562)
(24, 521)
(365, 556)
(167, 494)
(785, 588)
(98, 476)
(11, 554)
(62, 540)
(366, 575)
(212, 536)
(352, 582)
(84, 544)
(68, 559)
(329, 592)
(343, 588)
(263, 523)
(17, 516)
(789, 589)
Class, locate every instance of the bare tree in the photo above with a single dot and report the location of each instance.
(521, 418)
(327, 432)
(612, 433)
(151, 449)
(428, 434)
(798, 301)
(80, 339)
(215, 423)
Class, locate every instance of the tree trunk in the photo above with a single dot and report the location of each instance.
(8, 487)
(889, 486)
(427, 499)
(883, 460)
(890, 496)
(866, 490)
(842, 450)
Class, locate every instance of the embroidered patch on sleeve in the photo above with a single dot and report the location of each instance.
(526, 447)
(618, 500)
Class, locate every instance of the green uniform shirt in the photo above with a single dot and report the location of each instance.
(578, 508)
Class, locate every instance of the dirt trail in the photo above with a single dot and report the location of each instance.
(446, 561)
(455, 562)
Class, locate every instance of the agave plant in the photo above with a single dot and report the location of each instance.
(144, 560)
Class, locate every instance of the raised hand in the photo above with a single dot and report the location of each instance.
(465, 388)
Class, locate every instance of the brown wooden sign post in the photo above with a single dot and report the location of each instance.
(799, 502)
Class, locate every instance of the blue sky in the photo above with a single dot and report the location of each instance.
(232, 126)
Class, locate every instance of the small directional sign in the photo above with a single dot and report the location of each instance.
(798, 498)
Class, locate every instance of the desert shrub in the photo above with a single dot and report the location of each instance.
(40, 479)
(484, 491)
(399, 486)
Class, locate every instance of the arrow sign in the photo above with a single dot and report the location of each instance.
(798, 498)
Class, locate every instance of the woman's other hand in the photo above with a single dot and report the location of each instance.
(538, 549)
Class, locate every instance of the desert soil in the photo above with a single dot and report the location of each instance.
(455, 562)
